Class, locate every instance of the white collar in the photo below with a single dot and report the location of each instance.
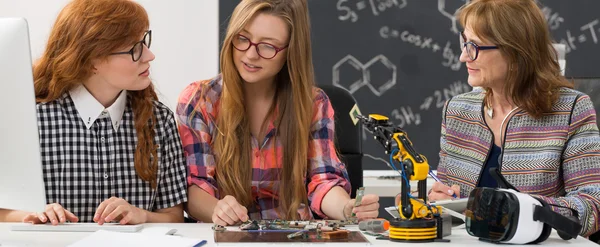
(90, 109)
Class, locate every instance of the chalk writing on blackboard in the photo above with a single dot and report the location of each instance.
(404, 116)
(588, 33)
(350, 10)
(439, 97)
(554, 19)
(352, 75)
(450, 13)
(450, 58)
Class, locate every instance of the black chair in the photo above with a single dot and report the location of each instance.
(595, 237)
(591, 87)
(347, 135)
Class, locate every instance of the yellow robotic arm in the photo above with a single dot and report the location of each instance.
(414, 165)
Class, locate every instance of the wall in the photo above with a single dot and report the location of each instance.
(185, 38)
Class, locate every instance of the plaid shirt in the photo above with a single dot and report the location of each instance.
(324, 167)
(85, 166)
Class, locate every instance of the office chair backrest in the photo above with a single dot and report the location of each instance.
(591, 87)
(347, 135)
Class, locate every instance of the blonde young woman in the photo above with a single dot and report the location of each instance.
(110, 149)
(259, 137)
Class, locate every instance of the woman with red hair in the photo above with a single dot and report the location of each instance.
(110, 149)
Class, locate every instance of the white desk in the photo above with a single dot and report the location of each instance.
(459, 237)
(386, 187)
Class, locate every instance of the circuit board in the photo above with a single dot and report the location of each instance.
(282, 237)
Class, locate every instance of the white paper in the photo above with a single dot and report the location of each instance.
(120, 239)
(393, 211)
(455, 214)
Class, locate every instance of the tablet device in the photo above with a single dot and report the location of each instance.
(457, 205)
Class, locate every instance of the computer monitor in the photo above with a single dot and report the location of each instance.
(21, 179)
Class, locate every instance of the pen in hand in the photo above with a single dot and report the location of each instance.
(438, 180)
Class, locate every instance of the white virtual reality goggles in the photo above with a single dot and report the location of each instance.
(502, 215)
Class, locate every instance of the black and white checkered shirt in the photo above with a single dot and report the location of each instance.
(83, 167)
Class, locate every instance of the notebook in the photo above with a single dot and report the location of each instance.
(122, 239)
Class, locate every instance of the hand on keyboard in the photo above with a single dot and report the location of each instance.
(75, 227)
(118, 209)
(54, 214)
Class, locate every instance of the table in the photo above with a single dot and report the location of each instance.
(459, 237)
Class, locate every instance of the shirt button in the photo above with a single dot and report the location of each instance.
(105, 175)
(104, 112)
(102, 139)
(257, 154)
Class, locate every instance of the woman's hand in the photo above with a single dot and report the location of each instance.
(118, 209)
(54, 213)
(440, 191)
(228, 212)
(368, 209)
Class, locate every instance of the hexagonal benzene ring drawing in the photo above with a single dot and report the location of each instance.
(364, 78)
(452, 17)
(346, 63)
(389, 69)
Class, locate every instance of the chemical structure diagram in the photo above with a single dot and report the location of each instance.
(361, 74)
(451, 15)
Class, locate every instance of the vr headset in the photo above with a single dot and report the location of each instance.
(504, 215)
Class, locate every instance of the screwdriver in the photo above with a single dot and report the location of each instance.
(374, 225)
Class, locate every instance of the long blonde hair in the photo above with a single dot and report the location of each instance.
(91, 29)
(294, 102)
(520, 31)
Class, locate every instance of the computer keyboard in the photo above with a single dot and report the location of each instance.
(75, 227)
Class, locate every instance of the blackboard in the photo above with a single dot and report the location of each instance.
(399, 58)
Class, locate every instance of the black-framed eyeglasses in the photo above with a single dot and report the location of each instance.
(138, 48)
(472, 48)
(264, 50)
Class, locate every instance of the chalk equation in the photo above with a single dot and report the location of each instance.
(349, 10)
(406, 115)
(402, 117)
(587, 33)
(439, 97)
(552, 18)
(417, 40)
(352, 75)
(450, 58)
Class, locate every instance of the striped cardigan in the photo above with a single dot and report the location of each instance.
(555, 158)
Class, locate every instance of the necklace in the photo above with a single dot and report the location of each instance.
(490, 111)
